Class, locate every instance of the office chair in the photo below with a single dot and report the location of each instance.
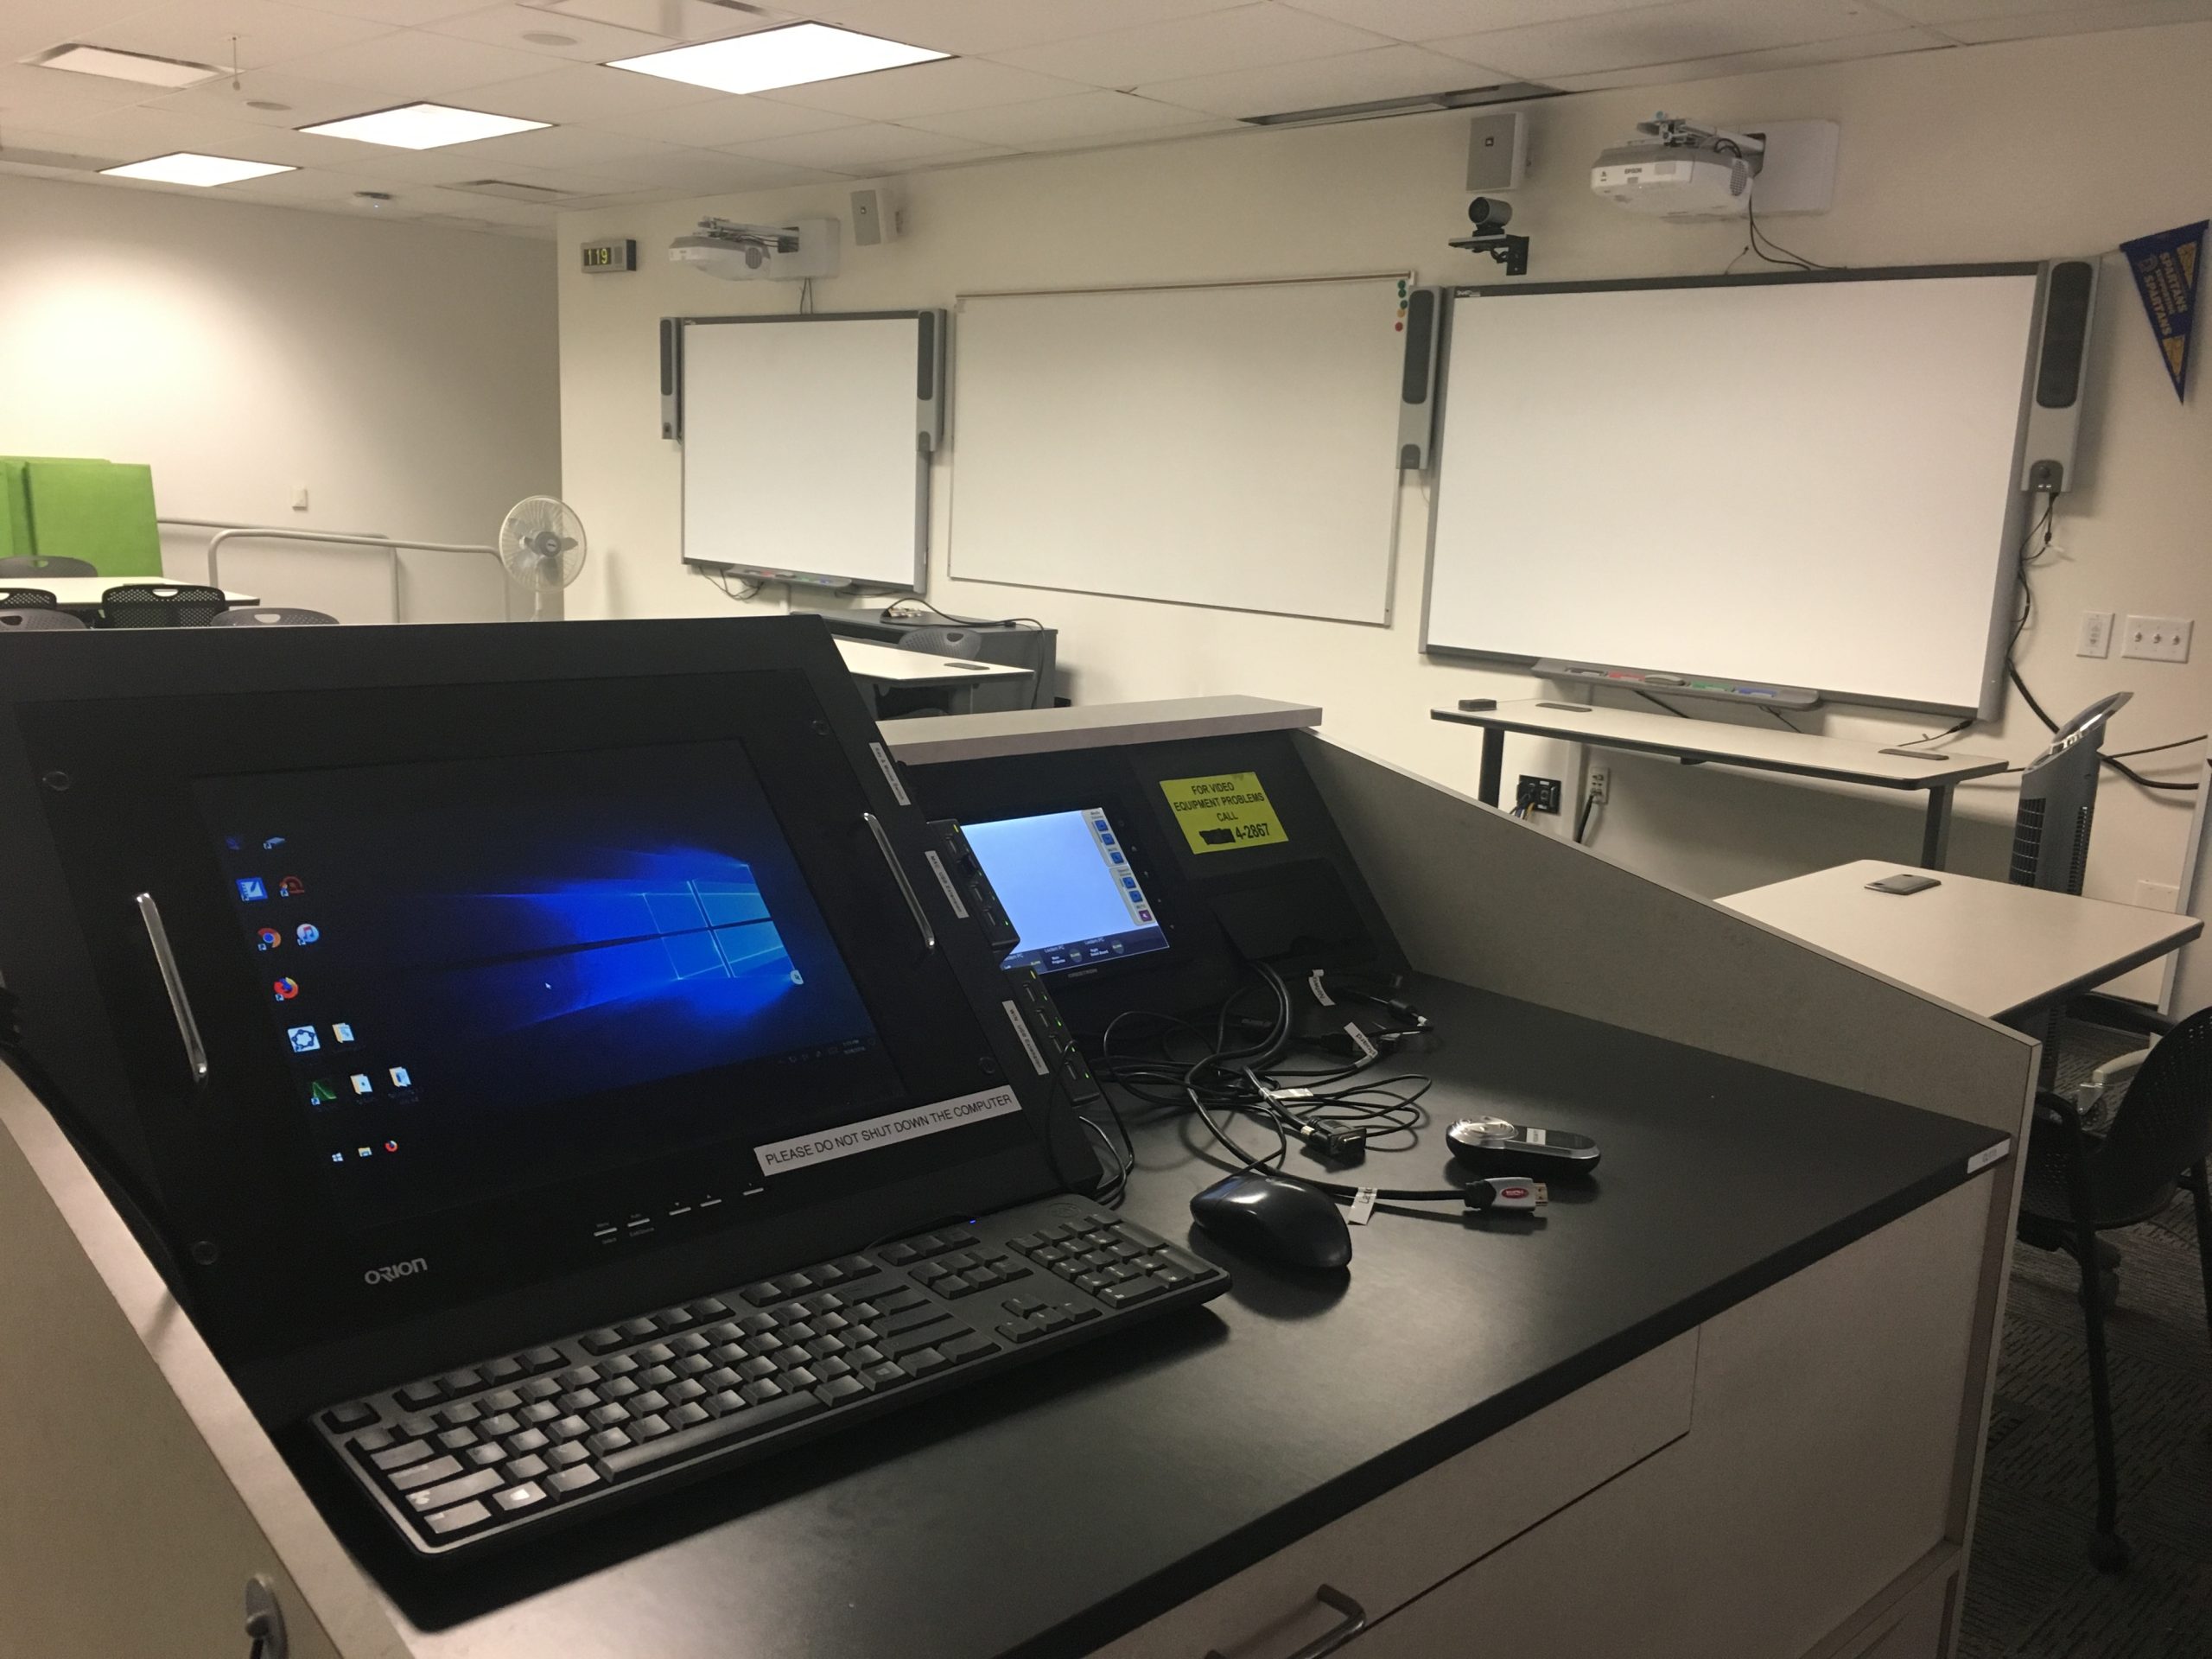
(32, 621)
(2080, 1181)
(145, 605)
(963, 643)
(31, 564)
(27, 599)
(272, 616)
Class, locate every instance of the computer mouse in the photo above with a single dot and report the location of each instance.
(1276, 1220)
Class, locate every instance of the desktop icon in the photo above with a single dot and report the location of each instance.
(343, 1033)
(1144, 915)
(304, 1041)
(272, 843)
(306, 932)
(1130, 882)
(399, 1079)
(391, 1146)
(1106, 835)
(286, 989)
(269, 939)
(231, 842)
(290, 887)
(337, 1157)
(361, 1084)
(361, 1151)
(252, 889)
(1117, 858)
(323, 1092)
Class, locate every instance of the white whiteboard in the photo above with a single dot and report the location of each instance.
(800, 449)
(1232, 446)
(1811, 483)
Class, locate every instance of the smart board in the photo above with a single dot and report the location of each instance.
(807, 442)
(1233, 445)
(1807, 481)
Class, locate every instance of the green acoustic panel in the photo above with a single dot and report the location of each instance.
(99, 511)
(14, 511)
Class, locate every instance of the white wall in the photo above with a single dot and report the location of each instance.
(2017, 151)
(406, 374)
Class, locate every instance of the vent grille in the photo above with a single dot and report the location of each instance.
(2027, 843)
(1464, 97)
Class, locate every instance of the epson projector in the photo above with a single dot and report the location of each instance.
(1673, 181)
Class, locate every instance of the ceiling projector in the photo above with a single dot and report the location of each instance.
(1681, 170)
(772, 253)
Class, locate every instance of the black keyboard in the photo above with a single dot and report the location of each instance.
(575, 1426)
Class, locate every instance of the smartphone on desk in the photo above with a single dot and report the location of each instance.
(1904, 882)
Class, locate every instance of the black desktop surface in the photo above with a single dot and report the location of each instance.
(1051, 1511)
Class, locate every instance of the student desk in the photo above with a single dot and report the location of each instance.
(83, 592)
(1754, 748)
(2002, 952)
(1727, 1403)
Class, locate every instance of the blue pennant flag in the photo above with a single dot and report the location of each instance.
(2165, 275)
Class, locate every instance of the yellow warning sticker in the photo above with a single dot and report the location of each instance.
(1221, 813)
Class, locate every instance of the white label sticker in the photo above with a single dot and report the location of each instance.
(1320, 991)
(890, 774)
(951, 893)
(911, 1124)
(1028, 1043)
(1988, 1156)
(1363, 1206)
(1361, 1041)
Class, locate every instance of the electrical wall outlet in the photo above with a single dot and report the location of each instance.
(2095, 638)
(2156, 639)
(299, 497)
(1601, 786)
(1537, 794)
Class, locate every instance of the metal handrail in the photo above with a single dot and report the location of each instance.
(392, 545)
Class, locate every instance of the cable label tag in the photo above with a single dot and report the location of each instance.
(944, 880)
(1363, 1206)
(1028, 1043)
(1363, 1042)
(777, 1156)
(1320, 991)
(890, 773)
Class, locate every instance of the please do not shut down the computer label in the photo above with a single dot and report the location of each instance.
(822, 1146)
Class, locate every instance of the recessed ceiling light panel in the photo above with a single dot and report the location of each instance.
(778, 57)
(141, 67)
(186, 167)
(423, 126)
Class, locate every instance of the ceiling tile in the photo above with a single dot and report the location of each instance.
(583, 92)
(203, 32)
(1436, 20)
(924, 89)
(871, 147)
(1250, 37)
(734, 173)
(978, 26)
(395, 13)
(407, 65)
(673, 20)
(30, 95)
(588, 41)
(144, 132)
(2082, 15)
(300, 102)
(31, 26)
(1322, 83)
(587, 148)
(724, 120)
(1678, 33)
(1888, 43)
(2074, 19)
(1053, 122)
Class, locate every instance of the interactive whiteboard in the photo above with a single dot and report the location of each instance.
(1233, 445)
(1801, 480)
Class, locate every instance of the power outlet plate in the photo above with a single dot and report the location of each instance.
(1537, 794)
(2095, 638)
(1601, 786)
(2156, 639)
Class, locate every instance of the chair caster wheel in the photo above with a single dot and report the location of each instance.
(2108, 1552)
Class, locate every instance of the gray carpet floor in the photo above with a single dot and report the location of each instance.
(2032, 1593)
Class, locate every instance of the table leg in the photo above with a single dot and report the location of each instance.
(1493, 766)
(1936, 834)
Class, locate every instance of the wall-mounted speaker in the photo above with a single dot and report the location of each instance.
(2065, 302)
(671, 377)
(1417, 393)
(929, 381)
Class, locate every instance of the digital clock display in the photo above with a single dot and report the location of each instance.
(611, 256)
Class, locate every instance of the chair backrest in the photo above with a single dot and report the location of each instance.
(36, 565)
(148, 605)
(26, 599)
(273, 616)
(944, 642)
(34, 620)
(99, 511)
(2163, 1125)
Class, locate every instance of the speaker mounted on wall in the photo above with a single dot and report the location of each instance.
(2064, 310)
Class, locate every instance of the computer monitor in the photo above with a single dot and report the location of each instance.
(2058, 802)
(1067, 884)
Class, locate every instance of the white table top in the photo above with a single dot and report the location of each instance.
(890, 662)
(1991, 948)
(1768, 748)
(83, 592)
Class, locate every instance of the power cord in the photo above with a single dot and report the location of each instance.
(899, 610)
